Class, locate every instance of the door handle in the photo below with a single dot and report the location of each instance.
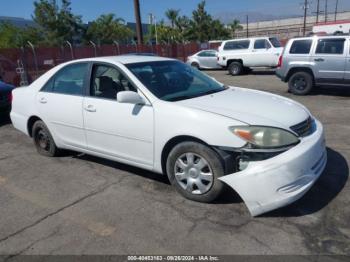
(90, 108)
(319, 59)
(43, 100)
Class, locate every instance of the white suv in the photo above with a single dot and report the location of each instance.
(241, 54)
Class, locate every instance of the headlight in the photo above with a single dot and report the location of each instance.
(265, 137)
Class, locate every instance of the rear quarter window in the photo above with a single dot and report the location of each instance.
(333, 46)
(300, 47)
(236, 45)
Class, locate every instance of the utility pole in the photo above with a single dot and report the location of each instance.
(326, 11)
(305, 13)
(336, 10)
(138, 22)
(153, 21)
(317, 10)
(247, 26)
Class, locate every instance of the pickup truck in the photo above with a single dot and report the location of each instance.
(239, 55)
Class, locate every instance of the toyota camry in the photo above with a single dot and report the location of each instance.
(165, 116)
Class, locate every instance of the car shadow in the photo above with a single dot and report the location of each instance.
(326, 188)
(113, 164)
(257, 72)
(341, 91)
(4, 120)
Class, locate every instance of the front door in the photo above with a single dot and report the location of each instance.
(123, 131)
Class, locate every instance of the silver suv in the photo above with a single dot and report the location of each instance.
(310, 61)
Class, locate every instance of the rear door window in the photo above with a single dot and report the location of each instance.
(261, 44)
(236, 45)
(301, 47)
(333, 46)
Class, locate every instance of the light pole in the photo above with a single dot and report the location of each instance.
(305, 13)
(318, 10)
(153, 20)
(336, 10)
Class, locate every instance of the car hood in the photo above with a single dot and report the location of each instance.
(251, 107)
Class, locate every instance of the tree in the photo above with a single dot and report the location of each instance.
(172, 15)
(57, 24)
(14, 37)
(203, 27)
(108, 28)
(234, 26)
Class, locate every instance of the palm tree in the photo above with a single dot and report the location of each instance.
(234, 26)
(172, 15)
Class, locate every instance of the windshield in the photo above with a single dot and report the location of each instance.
(174, 80)
(274, 41)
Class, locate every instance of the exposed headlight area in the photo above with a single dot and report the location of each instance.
(261, 137)
(262, 143)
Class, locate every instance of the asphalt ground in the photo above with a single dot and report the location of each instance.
(79, 204)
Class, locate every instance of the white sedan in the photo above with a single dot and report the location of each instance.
(162, 115)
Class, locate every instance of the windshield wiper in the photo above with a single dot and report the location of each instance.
(177, 98)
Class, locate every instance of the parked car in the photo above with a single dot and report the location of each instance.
(5, 97)
(142, 54)
(310, 61)
(205, 59)
(162, 115)
(241, 54)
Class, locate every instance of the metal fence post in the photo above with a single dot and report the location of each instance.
(94, 46)
(117, 46)
(71, 49)
(35, 58)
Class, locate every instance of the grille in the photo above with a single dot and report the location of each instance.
(304, 128)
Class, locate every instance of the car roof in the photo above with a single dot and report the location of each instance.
(123, 59)
(250, 38)
(318, 37)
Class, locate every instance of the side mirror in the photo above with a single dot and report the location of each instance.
(130, 98)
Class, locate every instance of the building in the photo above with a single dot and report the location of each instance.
(286, 28)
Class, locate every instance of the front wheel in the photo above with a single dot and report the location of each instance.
(194, 169)
(43, 140)
(300, 83)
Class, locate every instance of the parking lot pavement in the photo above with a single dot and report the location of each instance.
(78, 204)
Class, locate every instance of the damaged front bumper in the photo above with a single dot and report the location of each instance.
(278, 181)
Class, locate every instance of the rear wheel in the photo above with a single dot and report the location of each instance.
(43, 140)
(194, 169)
(300, 83)
(235, 68)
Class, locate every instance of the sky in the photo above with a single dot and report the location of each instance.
(91, 9)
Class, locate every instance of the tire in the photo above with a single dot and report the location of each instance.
(43, 141)
(195, 159)
(195, 65)
(301, 83)
(235, 68)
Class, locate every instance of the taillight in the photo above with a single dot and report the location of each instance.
(280, 60)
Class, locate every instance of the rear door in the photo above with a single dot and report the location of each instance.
(60, 104)
(329, 60)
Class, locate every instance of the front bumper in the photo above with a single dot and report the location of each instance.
(278, 181)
